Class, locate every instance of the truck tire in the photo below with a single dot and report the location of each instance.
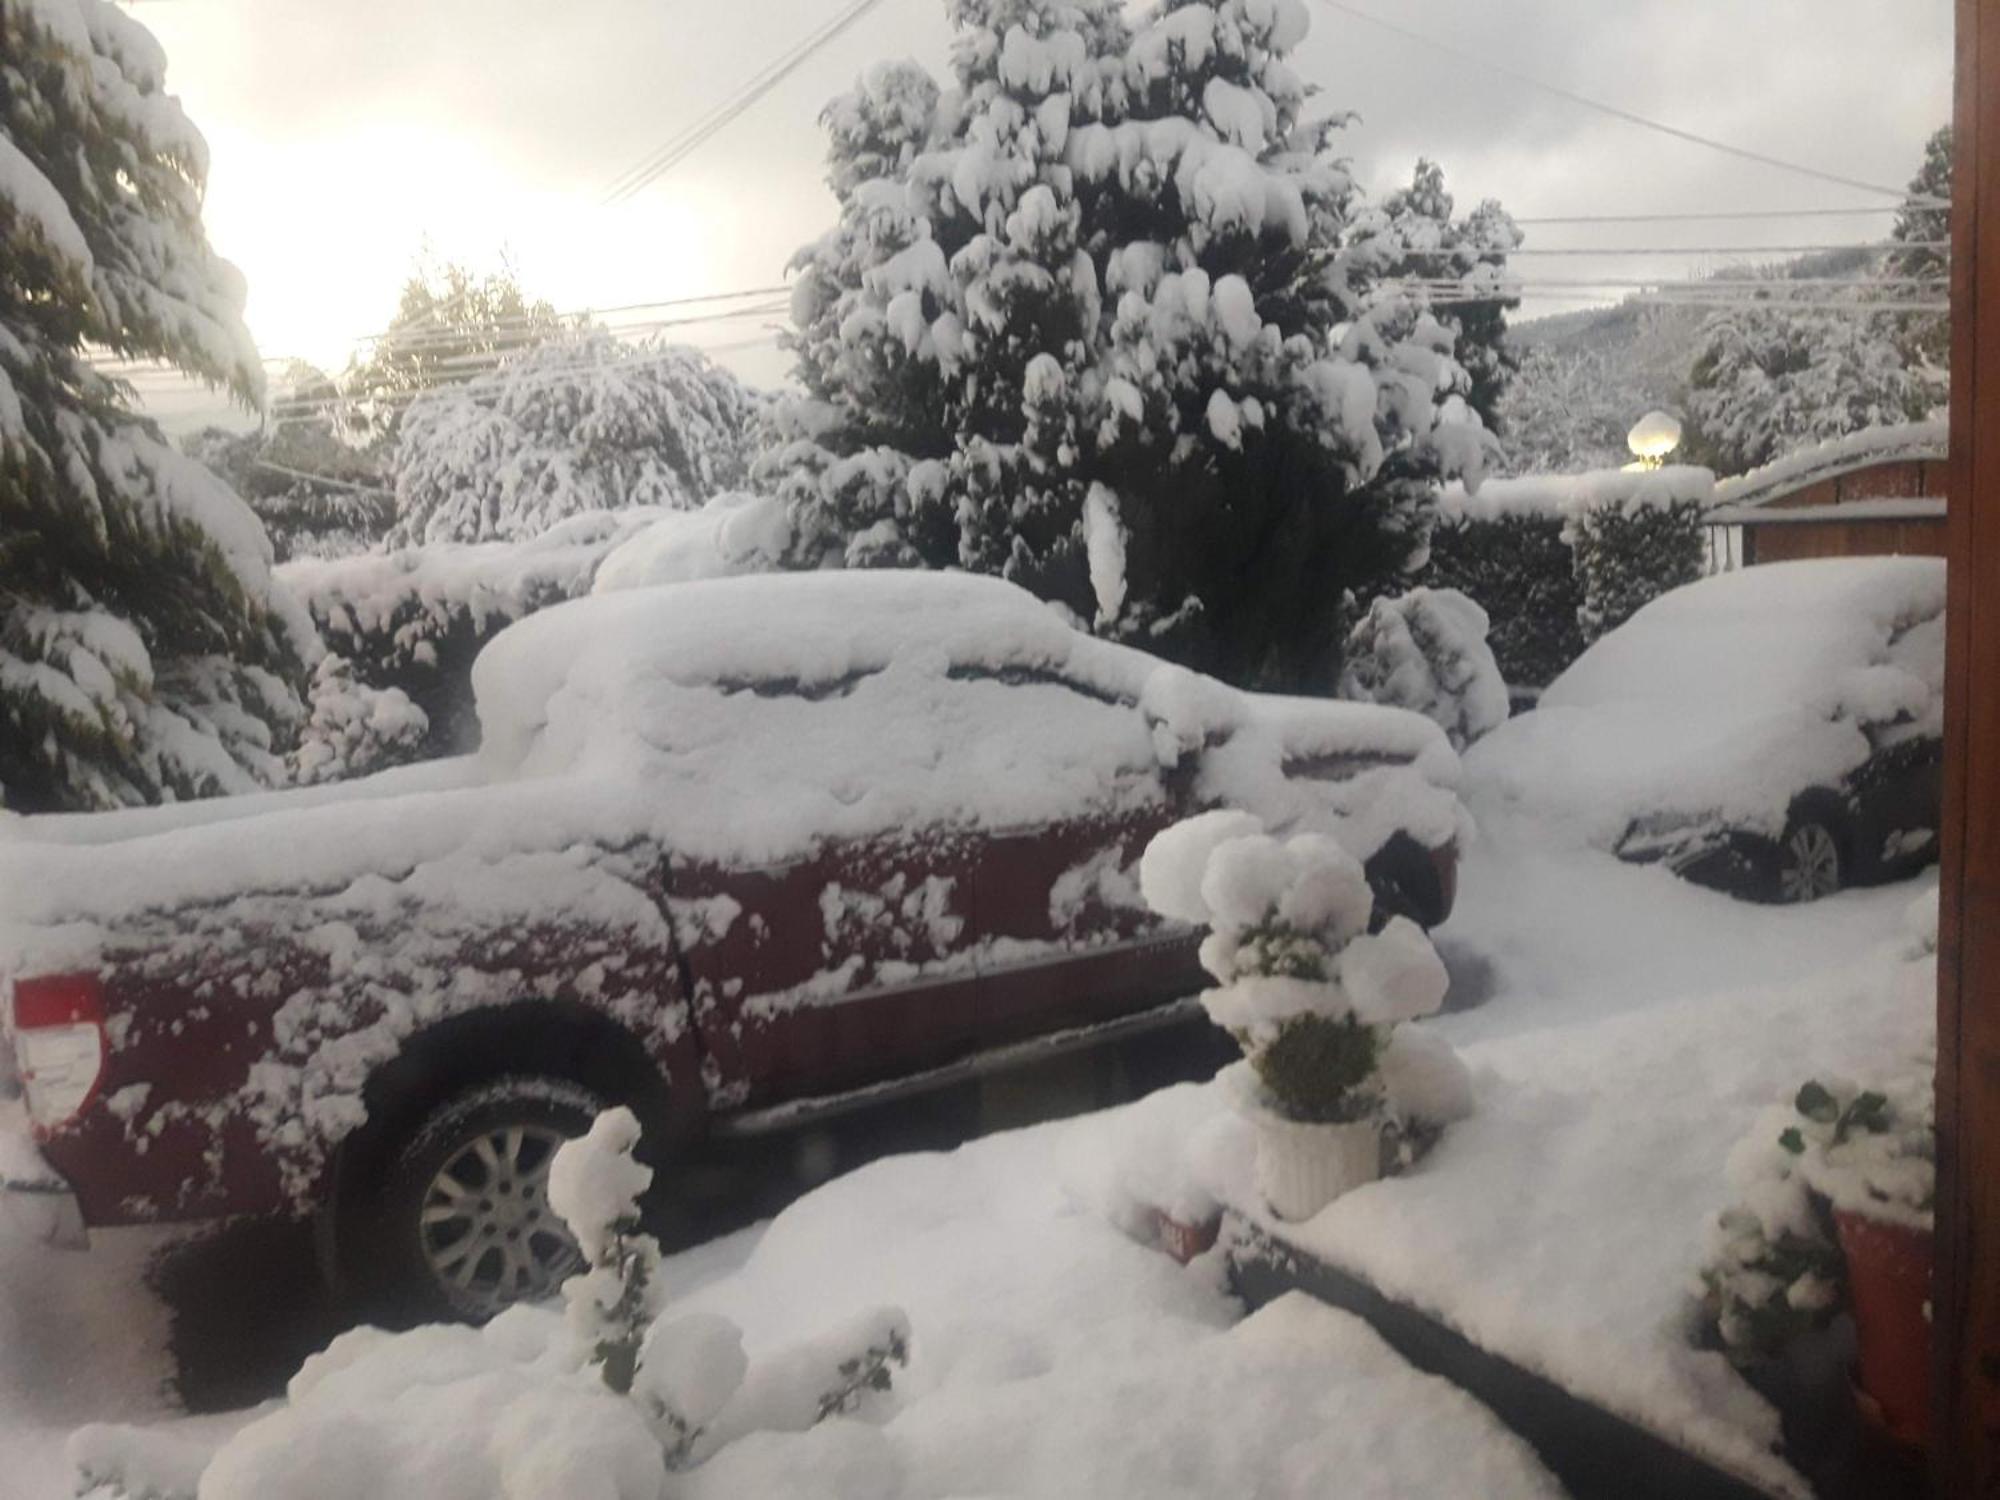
(462, 1227)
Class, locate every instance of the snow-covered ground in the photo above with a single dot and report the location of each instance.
(1622, 1028)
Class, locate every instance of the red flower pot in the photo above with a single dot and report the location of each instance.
(1182, 1240)
(1889, 1285)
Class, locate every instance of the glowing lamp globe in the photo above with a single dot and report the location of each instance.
(1653, 437)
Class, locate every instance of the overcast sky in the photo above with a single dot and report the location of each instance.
(346, 133)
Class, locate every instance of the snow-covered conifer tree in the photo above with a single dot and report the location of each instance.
(145, 652)
(576, 424)
(1775, 377)
(1095, 324)
(1471, 252)
(1919, 265)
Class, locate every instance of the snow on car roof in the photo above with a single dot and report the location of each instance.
(743, 720)
(1729, 696)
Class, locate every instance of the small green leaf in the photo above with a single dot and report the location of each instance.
(1792, 1141)
(1816, 1103)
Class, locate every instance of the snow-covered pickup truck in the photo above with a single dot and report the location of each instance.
(741, 854)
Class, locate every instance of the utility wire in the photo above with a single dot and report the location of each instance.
(403, 339)
(1660, 126)
(316, 405)
(1875, 247)
(1730, 214)
(650, 169)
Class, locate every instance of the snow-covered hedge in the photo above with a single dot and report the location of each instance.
(413, 620)
(1556, 560)
(1522, 573)
(1628, 552)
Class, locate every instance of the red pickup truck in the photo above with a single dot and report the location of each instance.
(740, 854)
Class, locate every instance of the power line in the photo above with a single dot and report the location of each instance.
(492, 358)
(407, 340)
(1728, 214)
(678, 147)
(1705, 283)
(1584, 100)
(318, 406)
(1627, 250)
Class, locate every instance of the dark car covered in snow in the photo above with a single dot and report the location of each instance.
(1774, 732)
(741, 854)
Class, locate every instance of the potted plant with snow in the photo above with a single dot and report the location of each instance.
(1834, 1214)
(1314, 999)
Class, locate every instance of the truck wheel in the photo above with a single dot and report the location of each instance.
(463, 1227)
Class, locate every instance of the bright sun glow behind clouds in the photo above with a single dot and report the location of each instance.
(326, 273)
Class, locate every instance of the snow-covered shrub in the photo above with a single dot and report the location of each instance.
(1630, 551)
(353, 729)
(146, 652)
(414, 620)
(602, 1400)
(1426, 651)
(1522, 573)
(1774, 1268)
(595, 1184)
(1315, 1000)
(578, 423)
(735, 532)
(1112, 320)
(111, 1462)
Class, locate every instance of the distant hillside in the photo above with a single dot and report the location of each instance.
(1586, 376)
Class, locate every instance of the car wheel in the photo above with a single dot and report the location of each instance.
(1810, 865)
(463, 1226)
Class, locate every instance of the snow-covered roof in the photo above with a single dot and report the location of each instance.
(1886, 509)
(1857, 450)
(1729, 696)
(1560, 496)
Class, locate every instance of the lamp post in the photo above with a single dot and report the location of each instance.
(1652, 438)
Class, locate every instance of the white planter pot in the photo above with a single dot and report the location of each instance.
(1302, 1168)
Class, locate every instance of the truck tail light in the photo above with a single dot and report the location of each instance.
(59, 1046)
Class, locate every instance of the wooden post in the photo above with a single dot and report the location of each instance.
(1966, 1300)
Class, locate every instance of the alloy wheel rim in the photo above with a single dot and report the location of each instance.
(488, 1234)
(1812, 864)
